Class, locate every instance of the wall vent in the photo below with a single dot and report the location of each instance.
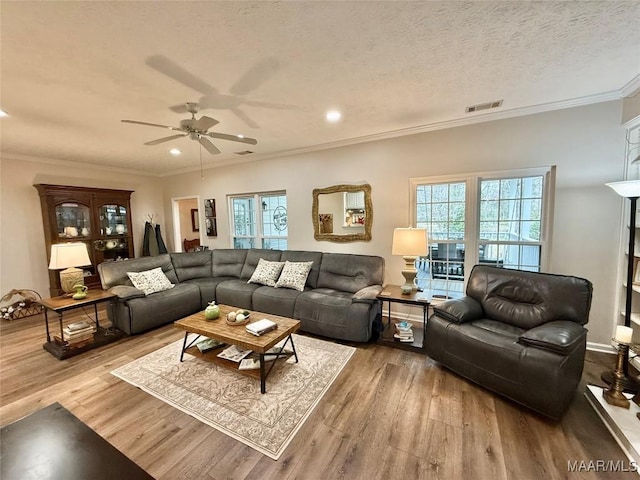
(245, 152)
(483, 106)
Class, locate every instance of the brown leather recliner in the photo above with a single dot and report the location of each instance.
(517, 333)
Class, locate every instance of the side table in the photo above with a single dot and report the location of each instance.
(102, 336)
(393, 294)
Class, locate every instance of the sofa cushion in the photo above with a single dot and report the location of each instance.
(266, 272)
(302, 256)
(350, 273)
(192, 265)
(227, 262)
(208, 288)
(529, 299)
(294, 275)
(150, 281)
(253, 257)
(279, 301)
(236, 293)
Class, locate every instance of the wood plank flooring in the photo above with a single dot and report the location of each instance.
(391, 414)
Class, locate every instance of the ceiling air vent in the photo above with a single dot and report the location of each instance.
(246, 152)
(483, 106)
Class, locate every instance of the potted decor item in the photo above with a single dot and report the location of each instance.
(212, 311)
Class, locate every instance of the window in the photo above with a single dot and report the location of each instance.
(494, 219)
(259, 220)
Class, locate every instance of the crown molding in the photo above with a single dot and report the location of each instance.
(69, 163)
(632, 88)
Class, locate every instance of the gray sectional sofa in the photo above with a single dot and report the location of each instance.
(338, 301)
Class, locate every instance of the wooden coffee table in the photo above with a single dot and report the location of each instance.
(237, 335)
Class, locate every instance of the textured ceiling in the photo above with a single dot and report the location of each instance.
(72, 70)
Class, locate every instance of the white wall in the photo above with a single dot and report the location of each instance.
(586, 144)
(23, 259)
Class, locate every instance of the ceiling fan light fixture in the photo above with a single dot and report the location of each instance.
(333, 116)
(175, 151)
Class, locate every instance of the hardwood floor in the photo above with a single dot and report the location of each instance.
(391, 414)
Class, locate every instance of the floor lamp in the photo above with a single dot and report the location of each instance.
(631, 190)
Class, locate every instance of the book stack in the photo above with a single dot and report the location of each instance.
(261, 327)
(78, 334)
(404, 332)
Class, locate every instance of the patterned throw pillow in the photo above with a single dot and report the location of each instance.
(150, 281)
(266, 272)
(294, 275)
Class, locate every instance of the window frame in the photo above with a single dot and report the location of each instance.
(472, 208)
(259, 236)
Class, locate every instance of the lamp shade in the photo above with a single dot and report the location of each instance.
(409, 242)
(628, 188)
(65, 255)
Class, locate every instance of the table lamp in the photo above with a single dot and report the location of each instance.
(68, 256)
(410, 243)
(629, 189)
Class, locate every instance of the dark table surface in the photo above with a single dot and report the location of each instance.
(53, 444)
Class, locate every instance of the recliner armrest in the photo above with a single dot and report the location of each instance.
(125, 292)
(459, 310)
(367, 294)
(561, 336)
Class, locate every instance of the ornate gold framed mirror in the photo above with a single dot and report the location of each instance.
(342, 213)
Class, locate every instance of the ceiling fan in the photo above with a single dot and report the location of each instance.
(196, 129)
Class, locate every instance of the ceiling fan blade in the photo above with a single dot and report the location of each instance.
(255, 76)
(166, 139)
(211, 148)
(179, 74)
(233, 138)
(204, 123)
(244, 117)
(276, 106)
(151, 124)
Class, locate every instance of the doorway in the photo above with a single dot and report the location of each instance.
(186, 221)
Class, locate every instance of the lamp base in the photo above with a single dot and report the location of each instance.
(409, 273)
(71, 277)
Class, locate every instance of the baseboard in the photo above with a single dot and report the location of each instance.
(600, 347)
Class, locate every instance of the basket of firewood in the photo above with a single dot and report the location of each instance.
(19, 303)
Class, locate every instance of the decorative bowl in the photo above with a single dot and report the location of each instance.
(235, 324)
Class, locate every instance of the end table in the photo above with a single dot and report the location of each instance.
(393, 294)
(61, 304)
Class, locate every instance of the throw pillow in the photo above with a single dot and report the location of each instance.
(294, 275)
(150, 281)
(266, 272)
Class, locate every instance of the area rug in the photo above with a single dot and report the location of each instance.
(231, 402)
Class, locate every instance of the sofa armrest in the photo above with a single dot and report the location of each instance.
(459, 310)
(125, 292)
(561, 336)
(367, 294)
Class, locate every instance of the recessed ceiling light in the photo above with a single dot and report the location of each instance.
(175, 151)
(333, 116)
(3, 114)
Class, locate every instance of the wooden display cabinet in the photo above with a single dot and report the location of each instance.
(99, 217)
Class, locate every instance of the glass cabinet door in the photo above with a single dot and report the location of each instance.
(73, 220)
(113, 220)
